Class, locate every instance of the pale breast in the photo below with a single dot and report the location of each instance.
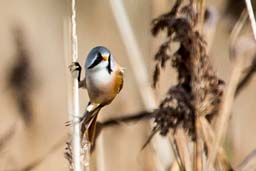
(100, 86)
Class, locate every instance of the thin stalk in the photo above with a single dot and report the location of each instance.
(228, 98)
(161, 146)
(198, 146)
(198, 160)
(134, 53)
(252, 17)
(76, 127)
(201, 11)
(183, 148)
(208, 135)
(235, 32)
(177, 162)
(225, 109)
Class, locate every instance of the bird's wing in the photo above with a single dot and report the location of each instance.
(120, 80)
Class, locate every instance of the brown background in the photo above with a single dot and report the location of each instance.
(45, 36)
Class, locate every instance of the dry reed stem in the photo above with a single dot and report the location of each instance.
(235, 31)
(209, 137)
(201, 11)
(135, 55)
(224, 114)
(160, 145)
(183, 149)
(177, 163)
(199, 88)
(252, 17)
(229, 94)
(76, 142)
(198, 160)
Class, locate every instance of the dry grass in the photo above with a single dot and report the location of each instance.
(195, 112)
(198, 87)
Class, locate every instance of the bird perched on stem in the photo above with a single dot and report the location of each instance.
(103, 81)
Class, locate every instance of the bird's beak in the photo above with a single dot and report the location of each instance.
(105, 58)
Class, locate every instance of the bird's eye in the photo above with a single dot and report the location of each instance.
(99, 56)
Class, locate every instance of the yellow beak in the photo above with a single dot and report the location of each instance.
(105, 58)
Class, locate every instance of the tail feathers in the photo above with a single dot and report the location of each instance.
(92, 130)
(88, 127)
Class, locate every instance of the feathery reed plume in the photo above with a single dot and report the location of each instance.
(199, 90)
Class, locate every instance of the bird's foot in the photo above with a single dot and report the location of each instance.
(75, 70)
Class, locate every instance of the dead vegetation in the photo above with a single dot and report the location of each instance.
(197, 100)
(198, 92)
(195, 112)
(198, 104)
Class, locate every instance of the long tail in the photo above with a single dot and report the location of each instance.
(88, 127)
(92, 129)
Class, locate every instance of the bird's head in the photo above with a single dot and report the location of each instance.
(100, 58)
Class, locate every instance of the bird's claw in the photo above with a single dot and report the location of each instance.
(75, 69)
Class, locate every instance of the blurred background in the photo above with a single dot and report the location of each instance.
(34, 50)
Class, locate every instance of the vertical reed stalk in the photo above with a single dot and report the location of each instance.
(225, 109)
(228, 98)
(252, 17)
(201, 11)
(75, 92)
(198, 160)
(183, 148)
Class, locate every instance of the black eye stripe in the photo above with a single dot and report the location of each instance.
(109, 64)
(96, 61)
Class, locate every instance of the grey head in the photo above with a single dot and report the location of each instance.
(100, 58)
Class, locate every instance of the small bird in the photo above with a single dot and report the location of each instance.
(103, 81)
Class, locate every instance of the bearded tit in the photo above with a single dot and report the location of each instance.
(103, 81)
